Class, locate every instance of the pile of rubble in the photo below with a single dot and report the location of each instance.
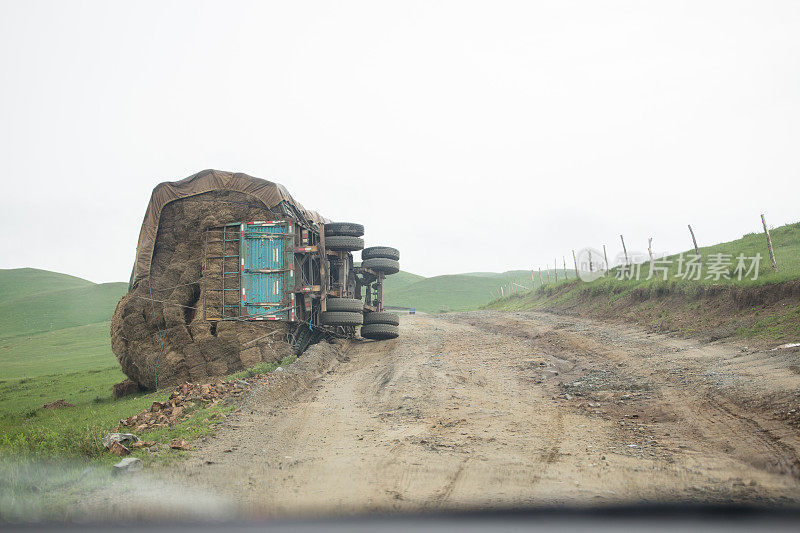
(182, 402)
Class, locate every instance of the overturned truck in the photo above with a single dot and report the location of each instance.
(231, 271)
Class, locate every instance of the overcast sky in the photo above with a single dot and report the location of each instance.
(472, 136)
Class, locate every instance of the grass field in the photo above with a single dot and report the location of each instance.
(54, 344)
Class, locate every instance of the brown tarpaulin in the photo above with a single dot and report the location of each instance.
(269, 193)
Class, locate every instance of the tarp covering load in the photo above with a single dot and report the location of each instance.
(270, 194)
(158, 331)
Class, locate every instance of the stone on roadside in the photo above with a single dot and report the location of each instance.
(127, 465)
(121, 438)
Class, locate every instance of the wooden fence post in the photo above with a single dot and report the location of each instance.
(564, 262)
(694, 241)
(605, 256)
(555, 268)
(533, 281)
(576, 263)
(548, 276)
(624, 250)
(541, 278)
(769, 244)
(650, 249)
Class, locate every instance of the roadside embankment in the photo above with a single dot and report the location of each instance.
(768, 314)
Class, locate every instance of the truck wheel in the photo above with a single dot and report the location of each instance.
(344, 228)
(380, 251)
(341, 318)
(344, 243)
(380, 331)
(381, 317)
(350, 305)
(381, 264)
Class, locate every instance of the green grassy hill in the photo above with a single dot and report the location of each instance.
(52, 323)
(455, 292)
(22, 282)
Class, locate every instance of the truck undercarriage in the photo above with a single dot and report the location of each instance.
(300, 272)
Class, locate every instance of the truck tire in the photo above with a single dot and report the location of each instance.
(380, 251)
(380, 332)
(350, 229)
(349, 305)
(381, 317)
(345, 243)
(341, 318)
(381, 264)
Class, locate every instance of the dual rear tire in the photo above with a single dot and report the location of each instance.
(381, 259)
(344, 236)
(380, 326)
(343, 312)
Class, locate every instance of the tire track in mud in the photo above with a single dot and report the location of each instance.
(711, 417)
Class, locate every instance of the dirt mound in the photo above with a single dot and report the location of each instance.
(58, 404)
(158, 331)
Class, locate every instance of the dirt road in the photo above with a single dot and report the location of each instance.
(497, 409)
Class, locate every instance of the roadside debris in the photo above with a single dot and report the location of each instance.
(119, 449)
(180, 444)
(183, 400)
(58, 404)
(127, 466)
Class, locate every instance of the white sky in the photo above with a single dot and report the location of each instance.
(472, 136)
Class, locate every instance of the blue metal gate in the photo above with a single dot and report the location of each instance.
(266, 270)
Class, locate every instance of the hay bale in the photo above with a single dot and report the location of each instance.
(193, 349)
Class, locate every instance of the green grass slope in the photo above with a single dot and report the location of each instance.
(23, 282)
(763, 307)
(455, 292)
(54, 310)
(401, 280)
(52, 323)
